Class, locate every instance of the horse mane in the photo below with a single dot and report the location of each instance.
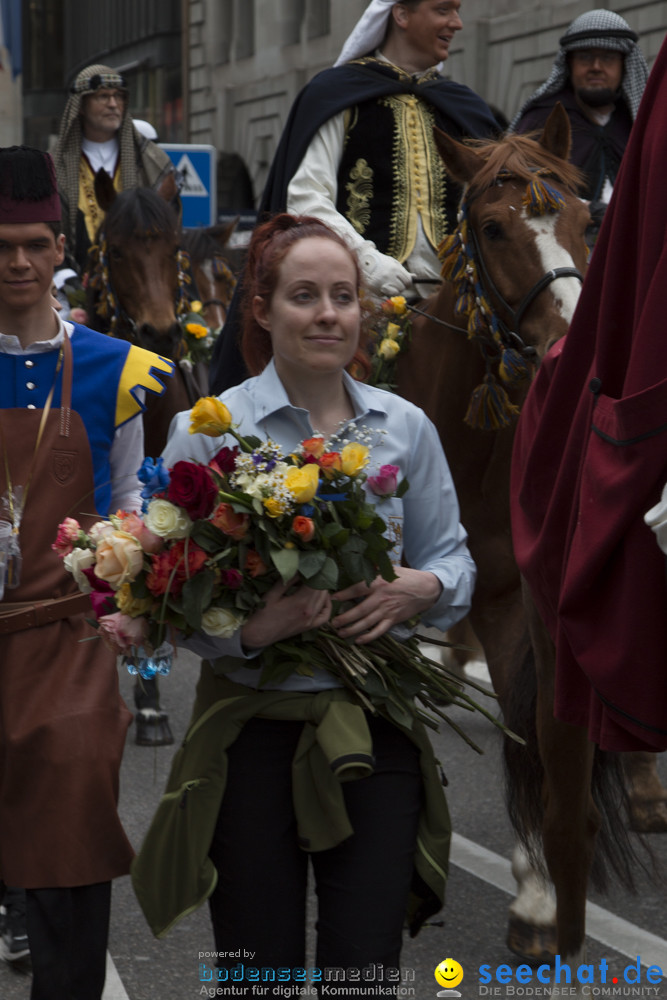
(139, 213)
(521, 156)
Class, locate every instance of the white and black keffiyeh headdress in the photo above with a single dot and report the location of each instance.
(68, 148)
(597, 29)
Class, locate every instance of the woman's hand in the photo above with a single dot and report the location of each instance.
(385, 603)
(289, 609)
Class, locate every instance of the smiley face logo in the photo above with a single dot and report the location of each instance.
(449, 974)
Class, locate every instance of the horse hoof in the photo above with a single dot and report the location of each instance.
(649, 816)
(530, 941)
(152, 729)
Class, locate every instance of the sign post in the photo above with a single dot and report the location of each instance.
(196, 165)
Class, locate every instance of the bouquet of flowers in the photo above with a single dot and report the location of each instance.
(390, 336)
(214, 538)
(198, 338)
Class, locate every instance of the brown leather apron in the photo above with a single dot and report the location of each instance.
(62, 720)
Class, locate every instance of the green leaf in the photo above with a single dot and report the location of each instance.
(327, 578)
(286, 562)
(402, 488)
(197, 593)
(311, 562)
(208, 537)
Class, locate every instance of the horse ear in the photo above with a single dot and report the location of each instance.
(168, 189)
(222, 233)
(105, 192)
(461, 161)
(557, 135)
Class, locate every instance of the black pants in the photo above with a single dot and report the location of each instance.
(68, 930)
(362, 884)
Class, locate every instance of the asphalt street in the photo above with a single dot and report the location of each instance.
(471, 928)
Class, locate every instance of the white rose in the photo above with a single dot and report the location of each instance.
(166, 520)
(75, 563)
(100, 530)
(222, 622)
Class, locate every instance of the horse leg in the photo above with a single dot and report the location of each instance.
(571, 819)
(531, 928)
(647, 796)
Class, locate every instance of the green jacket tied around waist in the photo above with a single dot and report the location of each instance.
(173, 874)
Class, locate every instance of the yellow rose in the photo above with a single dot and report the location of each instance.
(210, 416)
(388, 348)
(302, 483)
(399, 304)
(196, 306)
(197, 330)
(393, 331)
(120, 558)
(274, 507)
(130, 605)
(354, 457)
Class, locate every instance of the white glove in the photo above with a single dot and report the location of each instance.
(382, 274)
(656, 518)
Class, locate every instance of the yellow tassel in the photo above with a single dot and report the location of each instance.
(490, 407)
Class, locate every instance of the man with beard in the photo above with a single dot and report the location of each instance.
(599, 77)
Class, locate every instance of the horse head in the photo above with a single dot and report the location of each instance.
(138, 273)
(213, 280)
(519, 252)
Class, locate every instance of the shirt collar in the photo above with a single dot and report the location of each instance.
(270, 396)
(9, 344)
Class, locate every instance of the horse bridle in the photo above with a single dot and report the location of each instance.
(510, 336)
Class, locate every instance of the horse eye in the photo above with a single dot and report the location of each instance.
(115, 253)
(492, 230)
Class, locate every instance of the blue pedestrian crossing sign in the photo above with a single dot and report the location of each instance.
(196, 167)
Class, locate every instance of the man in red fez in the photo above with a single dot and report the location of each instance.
(70, 445)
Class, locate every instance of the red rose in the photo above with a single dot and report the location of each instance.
(173, 561)
(233, 524)
(304, 528)
(225, 460)
(231, 578)
(193, 488)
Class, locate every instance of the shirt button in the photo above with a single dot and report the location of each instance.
(29, 363)
(30, 385)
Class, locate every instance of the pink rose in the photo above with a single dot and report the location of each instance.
(384, 485)
(232, 524)
(133, 525)
(68, 533)
(120, 632)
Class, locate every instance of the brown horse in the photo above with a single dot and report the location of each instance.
(213, 267)
(139, 285)
(513, 271)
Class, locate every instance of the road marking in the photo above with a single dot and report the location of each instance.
(605, 927)
(113, 986)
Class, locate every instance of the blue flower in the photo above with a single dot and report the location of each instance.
(155, 477)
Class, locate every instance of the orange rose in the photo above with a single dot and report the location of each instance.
(303, 528)
(329, 463)
(254, 565)
(313, 446)
(233, 524)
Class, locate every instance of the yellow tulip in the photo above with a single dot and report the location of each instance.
(302, 483)
(210, 416)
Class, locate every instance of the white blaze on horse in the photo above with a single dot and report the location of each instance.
(513, 271)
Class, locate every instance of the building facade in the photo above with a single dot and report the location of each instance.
(248, 59)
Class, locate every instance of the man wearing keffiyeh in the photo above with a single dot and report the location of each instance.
(599, 77)
(97, 133)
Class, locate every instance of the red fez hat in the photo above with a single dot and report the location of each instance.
(28, 186)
